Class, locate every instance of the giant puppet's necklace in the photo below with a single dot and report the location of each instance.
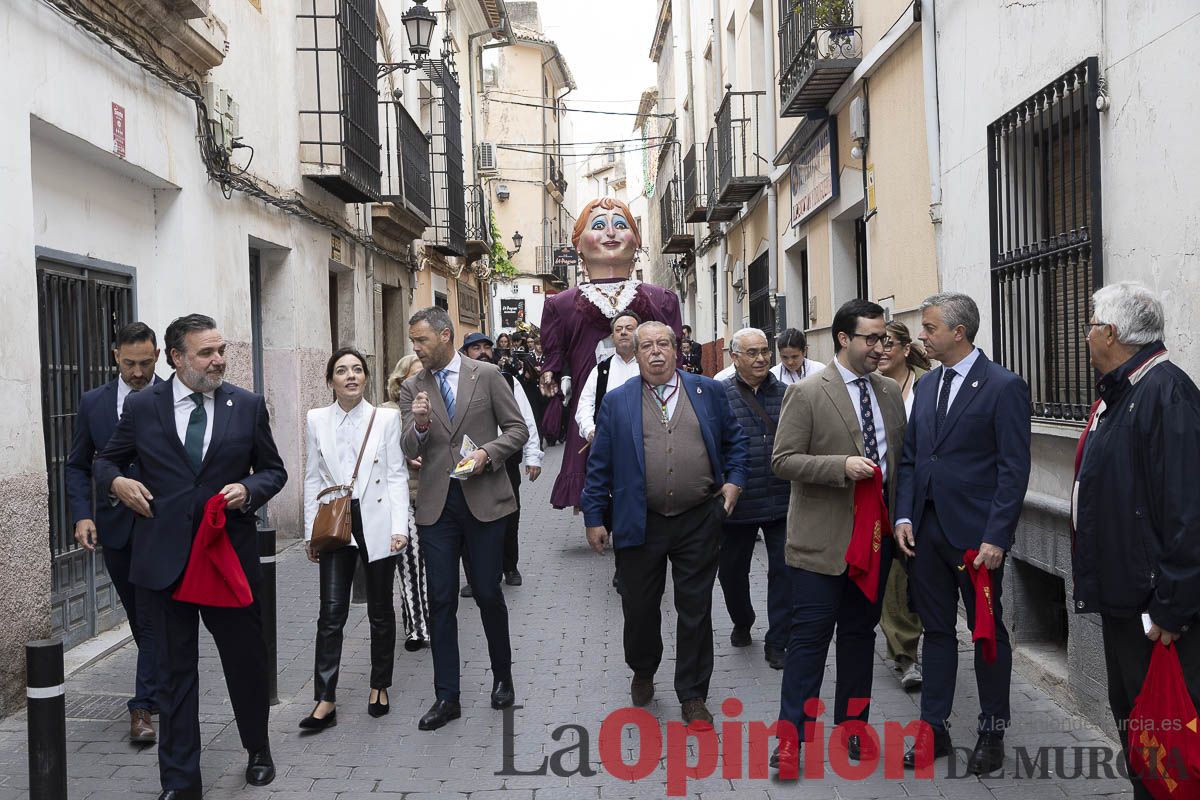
(611, 303)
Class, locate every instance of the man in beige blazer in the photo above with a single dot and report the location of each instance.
(834, 428)
(452, 398)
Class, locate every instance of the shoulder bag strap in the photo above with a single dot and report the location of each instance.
(752, 401)
(362, 449)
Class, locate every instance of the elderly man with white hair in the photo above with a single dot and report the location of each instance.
(1135, 508)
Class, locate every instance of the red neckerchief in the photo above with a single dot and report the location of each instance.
(985, 612)
(871, 524)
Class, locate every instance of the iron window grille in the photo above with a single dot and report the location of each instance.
(449, 211)
(819, 46)
(1046, 251)
(339, 116)
(405, 160)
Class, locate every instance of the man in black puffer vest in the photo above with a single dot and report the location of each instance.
(756, 397)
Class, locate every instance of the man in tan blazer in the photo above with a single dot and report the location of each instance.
(452, 398)
(835, 427)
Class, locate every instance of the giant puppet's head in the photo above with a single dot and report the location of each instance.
(607, 238)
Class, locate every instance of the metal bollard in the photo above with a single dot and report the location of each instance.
(47, 705)
(267, 606)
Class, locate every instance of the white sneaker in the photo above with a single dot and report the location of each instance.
(911, 679)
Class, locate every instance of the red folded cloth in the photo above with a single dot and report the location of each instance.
(985, 612)
(871, 524)
(214, 576)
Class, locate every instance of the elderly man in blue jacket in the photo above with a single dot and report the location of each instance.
(671, 459)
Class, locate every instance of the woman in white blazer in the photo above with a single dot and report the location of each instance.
(380, 523)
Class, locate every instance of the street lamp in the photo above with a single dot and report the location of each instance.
(419, 23)
(517, 239)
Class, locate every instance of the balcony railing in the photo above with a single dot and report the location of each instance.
(717, 211)
(543, 260)
(449, 228)
(695, 197)
(405, 161)
(556, 184)
(676, 238)
(479, 221)
(819, 46)
(339, 117)
(742, 167)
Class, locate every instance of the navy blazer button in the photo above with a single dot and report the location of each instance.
(933, 458)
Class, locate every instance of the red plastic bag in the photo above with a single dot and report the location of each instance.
(214, 576)
(1164, 745)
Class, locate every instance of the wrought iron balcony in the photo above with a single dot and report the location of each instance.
(676, 238)
(479, 222)
(339, 117)
(695, 197)
(406, 181)
(717, 211)
(819, 46)
(556, 184)
(449, 213)
(742, 167)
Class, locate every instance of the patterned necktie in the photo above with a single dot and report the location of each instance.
(943, 406)
(447, 394)
(870, 446)
(193, 439)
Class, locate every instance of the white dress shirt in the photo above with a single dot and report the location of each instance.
(960, 374)
(123, 390)
(348, 433)
(619, 371)
(184, 406)
(673, 387)
(531, 453)
(855, 400)
(788, 377)
(452, 370)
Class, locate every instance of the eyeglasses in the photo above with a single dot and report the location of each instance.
(1087, 327)
(754, 354)
(873, 339)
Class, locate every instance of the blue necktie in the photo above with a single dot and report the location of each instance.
(193, 439)
(447, 394)
(870, 445)
(943, 406)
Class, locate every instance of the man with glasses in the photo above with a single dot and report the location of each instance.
(755, 395)
(836, 429)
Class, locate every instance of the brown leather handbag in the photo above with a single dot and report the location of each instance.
(332, 526)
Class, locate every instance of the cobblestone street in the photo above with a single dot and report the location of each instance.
(569, 669)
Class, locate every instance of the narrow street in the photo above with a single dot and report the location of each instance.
(566, 628)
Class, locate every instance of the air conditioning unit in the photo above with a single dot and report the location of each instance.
(487, 158)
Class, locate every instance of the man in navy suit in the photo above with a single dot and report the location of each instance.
(671, 459)
(963, 477)
(136, 352)
(195, 436)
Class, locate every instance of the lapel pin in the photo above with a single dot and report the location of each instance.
(699, 390)
(229, 402)
(975, 385)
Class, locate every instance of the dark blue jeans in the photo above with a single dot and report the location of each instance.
(136, 601)
(443, 544)
(821, 604)
(737, 551)
(936, 583)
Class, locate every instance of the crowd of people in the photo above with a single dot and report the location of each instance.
(886, 491)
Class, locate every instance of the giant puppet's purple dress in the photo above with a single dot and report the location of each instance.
(574, 323)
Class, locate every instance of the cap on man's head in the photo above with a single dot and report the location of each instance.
(475, 338)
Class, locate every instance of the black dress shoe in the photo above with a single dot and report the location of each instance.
(261, 769)
(775, 656)
(856, 750)
(413, 645)
(786, 759)
(988, 755)
(180, 794)
(927, 747)
(641, 690)
(378, 708)
(315, 723)
(513, 578)
(502, 693)
(441, 712)
(740, 637)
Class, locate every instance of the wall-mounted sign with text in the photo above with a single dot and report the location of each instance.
(814, 174)
(512, 311)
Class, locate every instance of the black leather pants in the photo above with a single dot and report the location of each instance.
(337, 575)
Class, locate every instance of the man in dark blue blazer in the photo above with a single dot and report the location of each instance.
(136, 352)
(671, 459)
(195, 436)
(962, 484)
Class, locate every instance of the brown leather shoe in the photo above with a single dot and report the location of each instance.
(641, 689)
(141, 728)
(695, 712)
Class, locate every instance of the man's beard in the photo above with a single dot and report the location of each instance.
(199, 381)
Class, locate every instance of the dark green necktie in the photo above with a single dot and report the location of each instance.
(193, 440)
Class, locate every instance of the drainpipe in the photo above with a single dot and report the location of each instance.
(722, 245)
(769, 160)
(933, 128)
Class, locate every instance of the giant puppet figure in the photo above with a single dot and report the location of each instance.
(577, 323)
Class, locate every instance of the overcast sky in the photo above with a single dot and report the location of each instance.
(607, 47)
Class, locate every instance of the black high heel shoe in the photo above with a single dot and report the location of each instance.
(314, 723)
(378, 709)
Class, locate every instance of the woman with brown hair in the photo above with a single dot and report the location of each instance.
(903, 361)
(577, 325)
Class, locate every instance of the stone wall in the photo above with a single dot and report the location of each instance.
(25, 579)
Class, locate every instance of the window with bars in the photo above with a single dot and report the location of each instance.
(1044, 204)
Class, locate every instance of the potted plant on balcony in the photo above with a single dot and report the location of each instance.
(503, 267)
(833, 17)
